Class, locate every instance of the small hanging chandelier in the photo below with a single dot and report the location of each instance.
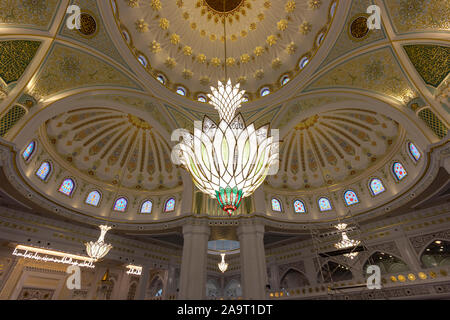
(223, 266)
(345, 242)
(98, 249)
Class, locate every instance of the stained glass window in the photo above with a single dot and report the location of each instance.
(376, 186)
(299, 206)
(146, 207)
(350, 197)
(324, 204)
(120, 205)
(284, 80)
(399, 170)
(29, 151)
(93, 198)
(170, 205)
(414, 151)
(276, 205)
(67, 187)
(43, 171)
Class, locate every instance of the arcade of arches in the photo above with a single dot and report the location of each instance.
(87, 114)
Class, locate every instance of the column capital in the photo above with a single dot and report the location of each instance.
(252, 227)
(197, 227)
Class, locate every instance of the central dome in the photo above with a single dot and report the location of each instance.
(224, 6)
(182, 43)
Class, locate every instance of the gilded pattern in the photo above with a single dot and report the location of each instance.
(15, 55)
(419, 15)
(37, 13)
(376, 71)
(431, 62)
(68, 68)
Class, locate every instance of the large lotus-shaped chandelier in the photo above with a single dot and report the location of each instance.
(99, 248)
(228, 161)
(345, 242)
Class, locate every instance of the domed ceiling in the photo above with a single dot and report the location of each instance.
(103, 142)
(333, 146)
(184, 40)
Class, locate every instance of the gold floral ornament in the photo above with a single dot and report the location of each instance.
(242, 79)
(259, 74)
(245, 58)
(233, 37)
(155, 46)
(305, 28)
(244, 33)
(315, 4)
(141, 25)
(187, 50)
(186, 15)
(180, 3)
(252, 26)
(187, 74)
(261, 16)
(133, 3)
(164, 23)
(193, 26)
(174, 38)
(201, 58)
(276, 63)
(156, 5)
(271, 40)
(258, 51)
(230, 61)
(205, 80)
(212, 37)
(290, 6)
(282, 24)
(291, 48)
(267, 4)
(170, 63)
(215, 62)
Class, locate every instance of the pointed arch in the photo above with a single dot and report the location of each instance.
(293, 278)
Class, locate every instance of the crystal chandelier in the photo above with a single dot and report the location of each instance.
(223, 266)
(228, 161)
(98, 249)
(345, 242)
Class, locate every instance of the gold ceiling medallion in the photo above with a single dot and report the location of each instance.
(226, 8)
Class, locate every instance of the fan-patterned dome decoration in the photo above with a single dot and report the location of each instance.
(103, 142)
(332, 146)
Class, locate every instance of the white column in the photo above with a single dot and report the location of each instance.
(122, 287)
(274, 276)
(193, 263)
(143, 282)
(253, 261)
(311, 272)
(171, 285)
(408, 253)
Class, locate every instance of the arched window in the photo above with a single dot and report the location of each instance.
(93, 198)
(334, 272)
(276, 205)
(387, 263)
(413, 151)
(324, 204)
(44, 170)
(170, 205)
(181, 91)
(121, 205)
(293, 279)
(299, 207)
(303, 62)
(264, 92)
(376, 186)
(142, 60)
(436, 254)
(201, 98)
(28, 152)
(350, 197)
(161, 78)
(146, 207)
(285, 79)
(67, 187)
(399, 171)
